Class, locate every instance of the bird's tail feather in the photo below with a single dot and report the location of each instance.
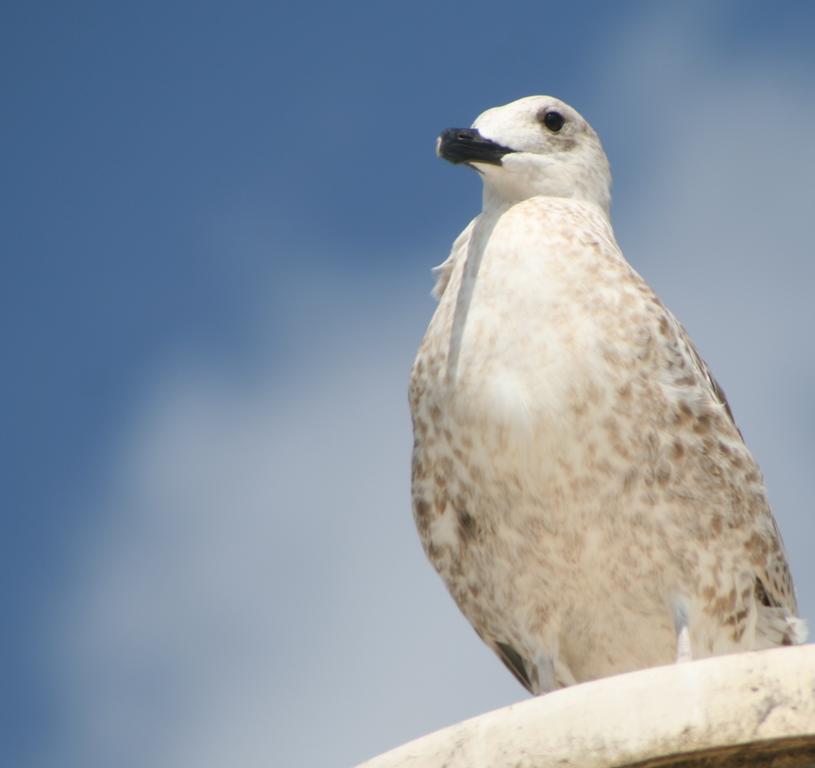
(776, 627)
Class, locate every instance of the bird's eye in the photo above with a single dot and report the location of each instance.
(553, 121)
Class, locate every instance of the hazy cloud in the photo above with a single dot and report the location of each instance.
(255, 593)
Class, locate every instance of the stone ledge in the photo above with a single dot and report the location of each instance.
(749, 709)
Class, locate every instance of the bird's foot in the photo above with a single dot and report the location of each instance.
(683, 648)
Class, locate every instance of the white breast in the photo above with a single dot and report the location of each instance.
(517, 348)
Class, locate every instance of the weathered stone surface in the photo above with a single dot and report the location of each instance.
(750, 709)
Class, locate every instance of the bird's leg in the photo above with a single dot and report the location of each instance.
(545, 664)
(683, 649)
(552, 673)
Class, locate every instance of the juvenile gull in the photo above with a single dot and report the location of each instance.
(578, 480)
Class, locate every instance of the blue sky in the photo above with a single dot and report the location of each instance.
(219, 224)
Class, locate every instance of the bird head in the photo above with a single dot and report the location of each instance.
(534, 146)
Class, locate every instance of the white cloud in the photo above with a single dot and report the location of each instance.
(257, 594)
(243, 600)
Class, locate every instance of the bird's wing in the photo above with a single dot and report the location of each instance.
(774, 589)
(514, 663)
(715, 388)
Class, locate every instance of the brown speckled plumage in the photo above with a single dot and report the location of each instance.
(578, 479)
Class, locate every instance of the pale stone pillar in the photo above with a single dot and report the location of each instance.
(751, 709)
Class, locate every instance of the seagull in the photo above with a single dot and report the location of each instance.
(578, 479)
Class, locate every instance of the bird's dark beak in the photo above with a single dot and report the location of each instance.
(466, 145)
